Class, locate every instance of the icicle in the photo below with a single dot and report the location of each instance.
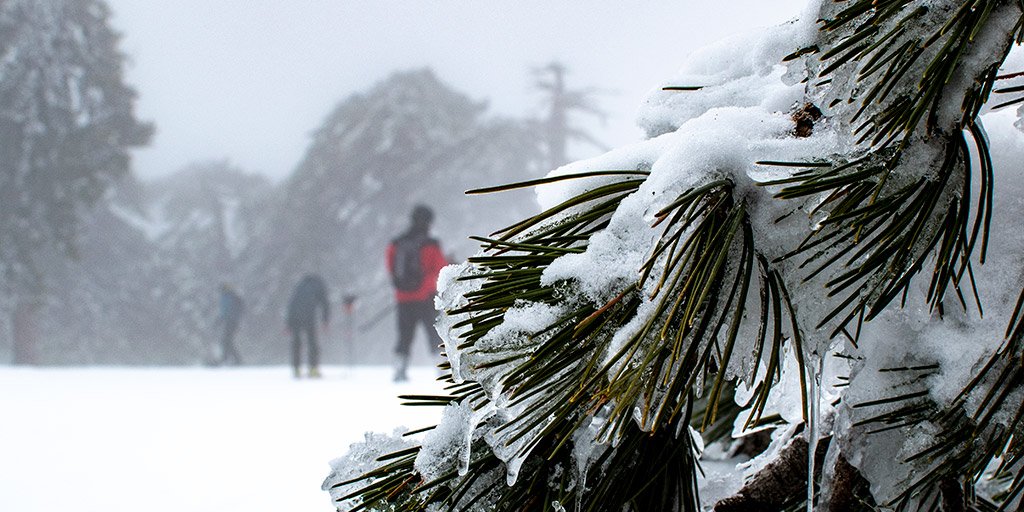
(813, 419)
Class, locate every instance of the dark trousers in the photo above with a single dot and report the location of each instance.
(312, 347)
(411, 314)
(228, 352)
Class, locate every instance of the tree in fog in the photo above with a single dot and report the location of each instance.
(803, 248)
(561, 102)
(210, 213)
(150, 255)
(409, 139)
(66, 122)
(210, 210)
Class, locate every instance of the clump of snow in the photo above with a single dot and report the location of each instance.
(743, 71)
(449, 446)
(610, 264)
(633, 157)
(912, 350)
(516, 336)
(781, 438)
(362, 458)
(718, 480)
(451, 294)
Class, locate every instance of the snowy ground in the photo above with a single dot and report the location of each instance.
(187, 440)
(198, 440)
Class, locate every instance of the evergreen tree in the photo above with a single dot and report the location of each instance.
(142, 288)
(66, 123)
(115, 301)
(796, 248)
(402, 142)
(210, 214)
(150, 254)
(561, 103)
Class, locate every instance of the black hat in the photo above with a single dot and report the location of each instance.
(422, 215)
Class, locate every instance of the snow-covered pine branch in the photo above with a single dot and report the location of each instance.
(801, 233)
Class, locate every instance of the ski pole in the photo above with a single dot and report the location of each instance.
(373, 321)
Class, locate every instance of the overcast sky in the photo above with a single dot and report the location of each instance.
(249, 80)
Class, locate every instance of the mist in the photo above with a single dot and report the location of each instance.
(283, 140)
(174, 172)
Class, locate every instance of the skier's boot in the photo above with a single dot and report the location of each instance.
(314, 373)
(400, 370)
(296, 372)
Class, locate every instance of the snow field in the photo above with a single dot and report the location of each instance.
(188, 439)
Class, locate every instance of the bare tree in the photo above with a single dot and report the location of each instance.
(561, 103)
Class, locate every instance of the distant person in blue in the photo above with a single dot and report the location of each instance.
(309, 296)
(231, 309)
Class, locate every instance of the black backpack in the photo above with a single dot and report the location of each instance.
(407, 267)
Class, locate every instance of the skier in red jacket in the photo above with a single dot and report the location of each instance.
(414, 259)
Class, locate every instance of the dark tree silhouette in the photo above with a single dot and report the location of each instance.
(66, 123)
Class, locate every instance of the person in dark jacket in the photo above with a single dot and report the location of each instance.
(309, 296)
(231, 308)
(414, 260)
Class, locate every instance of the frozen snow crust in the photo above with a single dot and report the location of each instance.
(732, 106)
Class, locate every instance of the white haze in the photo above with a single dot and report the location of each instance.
(248, 80)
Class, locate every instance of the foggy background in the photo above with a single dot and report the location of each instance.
(284, 138)
(151, 151)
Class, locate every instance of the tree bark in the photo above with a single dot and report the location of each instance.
(778, 484)
(784, 482)
(850, 490)
(952, 496)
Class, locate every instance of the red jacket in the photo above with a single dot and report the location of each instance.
(432, 261)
